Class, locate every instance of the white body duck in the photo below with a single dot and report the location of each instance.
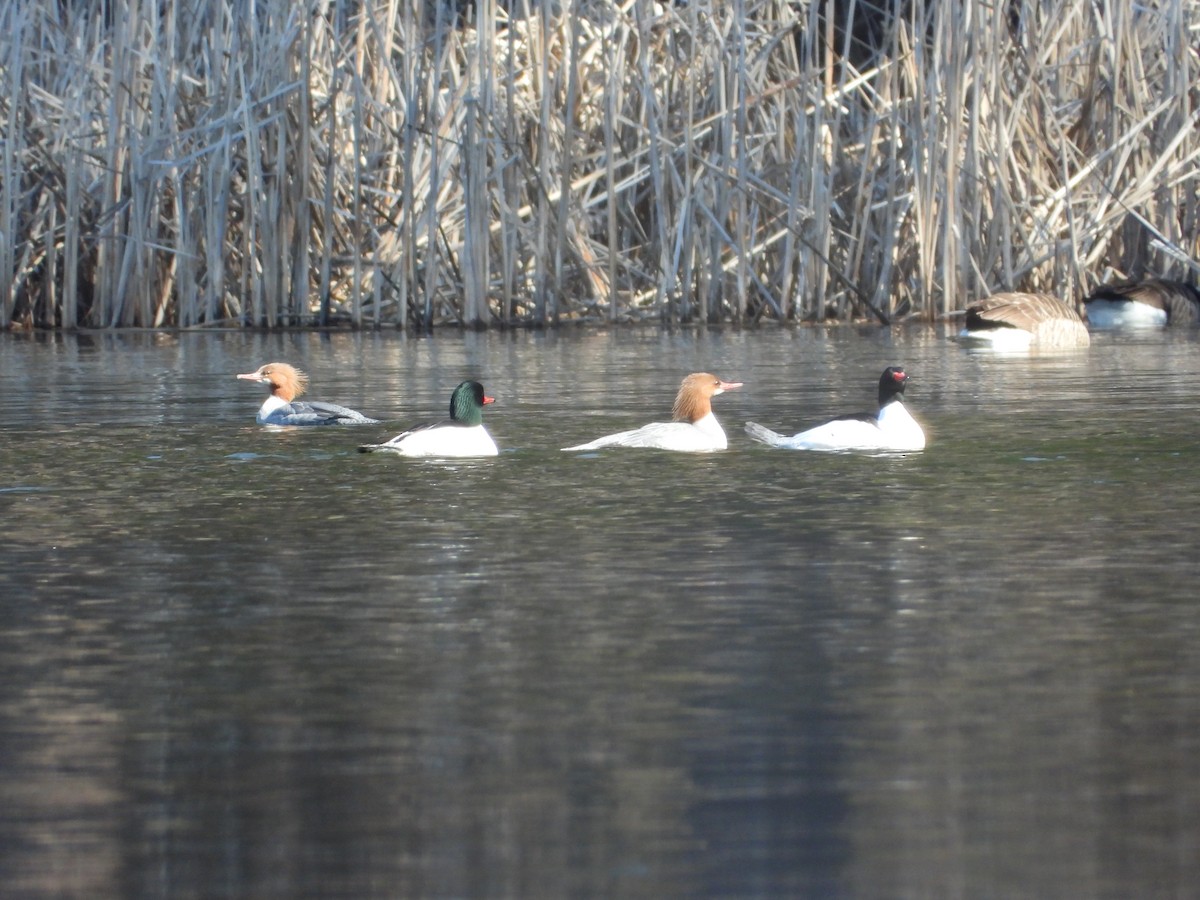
(281, 408)
(462, 435)
(694, 430)
(892, 428)
(1018, 321)
(1154, 303)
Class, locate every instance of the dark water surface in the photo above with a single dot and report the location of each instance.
(238, 662)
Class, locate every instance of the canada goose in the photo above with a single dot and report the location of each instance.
(1019, 321)
(1152, 303)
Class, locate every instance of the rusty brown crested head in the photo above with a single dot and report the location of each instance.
(694, 400)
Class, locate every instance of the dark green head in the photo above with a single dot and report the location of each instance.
(467, 402)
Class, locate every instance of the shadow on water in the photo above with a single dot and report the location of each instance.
(248, 662)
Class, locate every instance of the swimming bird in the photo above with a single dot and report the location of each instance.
(695, 429)
(1018, 321)
(281, 408)
(891, 428)
(1153, 303)
(461, 435)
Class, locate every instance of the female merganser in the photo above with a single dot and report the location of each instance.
(287, 383)
(461, 435)
(892, 428)
(1015, 321)
(695, 428)
(1153, 303)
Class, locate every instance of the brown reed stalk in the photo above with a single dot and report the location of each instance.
(10, 154)
(401, 163)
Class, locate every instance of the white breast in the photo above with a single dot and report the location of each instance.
(1124, 314)
(1003, 340)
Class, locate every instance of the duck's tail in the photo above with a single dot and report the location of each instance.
(765, 435)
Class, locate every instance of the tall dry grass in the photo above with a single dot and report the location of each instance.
(412, 162)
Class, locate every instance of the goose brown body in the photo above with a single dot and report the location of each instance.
(1050, 323)
(1153, 301)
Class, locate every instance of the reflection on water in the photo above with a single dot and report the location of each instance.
(242, 662)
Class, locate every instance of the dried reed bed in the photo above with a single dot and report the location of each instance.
(407, 162)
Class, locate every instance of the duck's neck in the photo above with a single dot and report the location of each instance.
(272, 404)
(894, 415)
(691, 406)
(468, 415)
(709, 425)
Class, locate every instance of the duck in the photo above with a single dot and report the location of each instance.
(1020, 321)
(694, 428)
(892, 428)
(460, 436)
(281, 408)
(1152, 303)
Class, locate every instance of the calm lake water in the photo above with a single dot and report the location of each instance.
(238, 662)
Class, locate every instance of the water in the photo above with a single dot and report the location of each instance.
(248, 663)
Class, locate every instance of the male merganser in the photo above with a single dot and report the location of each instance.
(281, 408)
(1016, 321)
(1153, 303)
(695, 428)
(892, 428)
(461, 435)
